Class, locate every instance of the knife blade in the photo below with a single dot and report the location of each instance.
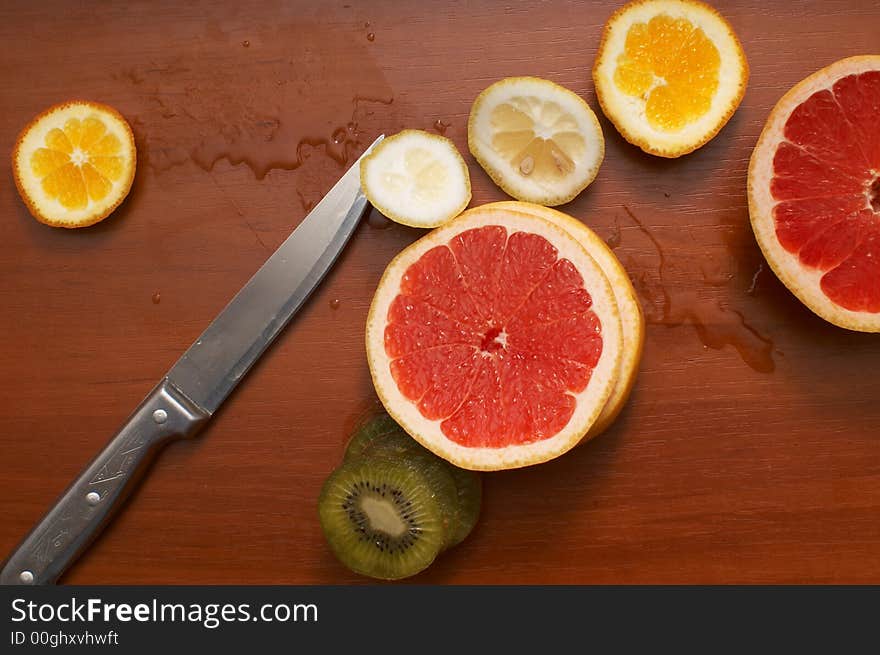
(195, 387)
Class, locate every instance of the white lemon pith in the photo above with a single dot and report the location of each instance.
(416, 178)
(539, 141)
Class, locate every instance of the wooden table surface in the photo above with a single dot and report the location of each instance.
(749, 451)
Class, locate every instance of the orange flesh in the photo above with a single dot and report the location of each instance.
(491, 335)
(79, 163)
(673, 66)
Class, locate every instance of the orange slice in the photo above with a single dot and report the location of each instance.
(74, 163)
(495, 340)
(669, 74)
(632, 319)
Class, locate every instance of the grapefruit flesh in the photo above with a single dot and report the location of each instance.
(839, 232)
(501, 340)
(814, 192)
(632, 320)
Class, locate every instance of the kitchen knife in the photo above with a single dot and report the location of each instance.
(195, 387)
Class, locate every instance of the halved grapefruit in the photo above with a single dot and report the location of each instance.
(814, 192)
(632, 319)
(495, 340)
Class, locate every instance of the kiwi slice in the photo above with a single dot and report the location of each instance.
(438, 477)
(469, 487)
(459, 491)
(403, 451)
(367, 433)
(381, 520)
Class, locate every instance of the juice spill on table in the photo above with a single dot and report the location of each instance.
(715, 324)
(615, 238)
(291, 105)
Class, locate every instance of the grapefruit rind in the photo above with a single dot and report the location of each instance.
(590, 402)
(502, 172)
(627, 113)
(632, 318)
(803, 282)
(389, 158)
(48, 210)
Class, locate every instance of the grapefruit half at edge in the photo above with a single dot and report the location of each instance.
(494, 340)
(814, 192)
(632, 319)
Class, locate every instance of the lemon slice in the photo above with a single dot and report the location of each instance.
(669, 74)
(416, 179)
(539, 141)
(74, 163)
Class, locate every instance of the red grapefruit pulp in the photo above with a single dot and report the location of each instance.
(486, 339)
(813, 187)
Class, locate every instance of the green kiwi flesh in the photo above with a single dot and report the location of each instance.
(376, 441)
(381, 519)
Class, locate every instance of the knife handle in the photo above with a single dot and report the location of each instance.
(88, 504)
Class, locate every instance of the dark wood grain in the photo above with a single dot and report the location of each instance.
(750, 449)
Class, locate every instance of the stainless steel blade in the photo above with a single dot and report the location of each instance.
(216, 362)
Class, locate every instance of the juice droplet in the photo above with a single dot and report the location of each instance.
(440, 126)
(717, 277)
(245, 44)
(307, 205)
(716, 324)
(334, 304)
(641, 280)
(754, 285)
(614, 239)
(157, 298)
(376, 221)
(371, 37)
(339, 135)
(133, 76)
